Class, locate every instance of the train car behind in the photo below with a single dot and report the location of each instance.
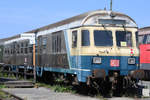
(144, 42)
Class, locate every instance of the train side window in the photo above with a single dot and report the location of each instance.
(22, 45)
(145, 39)
(44, 42)
(148, 39)
(11, 51)
(30, 49)
(124, 38)
(56, 43)
(140, 39)
(26, 50)
(22, 50)
(74, 39)
(5, 51)
(85, 38)
(136, 34)
(137, 39)
(53, 43)
(18, 48)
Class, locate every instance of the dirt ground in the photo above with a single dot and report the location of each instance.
(47, 94)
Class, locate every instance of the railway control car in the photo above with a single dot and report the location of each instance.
(96, 47)
(144, 45)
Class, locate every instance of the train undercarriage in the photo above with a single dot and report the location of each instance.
(112, 85)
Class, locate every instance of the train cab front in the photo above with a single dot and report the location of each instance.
(104, 47)
(104, 52)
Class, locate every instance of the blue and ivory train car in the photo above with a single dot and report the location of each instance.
(90, 46)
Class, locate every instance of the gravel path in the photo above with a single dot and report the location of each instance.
(47, 94)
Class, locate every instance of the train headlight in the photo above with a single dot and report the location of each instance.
(131, 61)
(97, 60)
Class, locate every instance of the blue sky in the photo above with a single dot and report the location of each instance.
(18, 16)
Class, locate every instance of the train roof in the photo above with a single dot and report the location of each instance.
(144, 30)
(83, 20)
(9, 38)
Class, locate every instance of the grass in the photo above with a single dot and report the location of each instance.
(3, 95)
(5, 75)
(2, 86)
(57, 88)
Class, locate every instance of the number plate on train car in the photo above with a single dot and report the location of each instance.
(114, 63)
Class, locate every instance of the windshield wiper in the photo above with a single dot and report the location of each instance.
(124, 28)
(108, 32)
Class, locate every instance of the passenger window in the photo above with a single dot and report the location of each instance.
(140, 39)
(137, 39)
(74, 39)
(85, 38)
(148, 39)
(26, 50)
(56, 42)
(30, 49)
(44, 43)
(22, 50)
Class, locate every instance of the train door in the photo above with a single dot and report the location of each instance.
(14, 57)
(76, 58)
(39, 51)
(76, 49)
(1, 54)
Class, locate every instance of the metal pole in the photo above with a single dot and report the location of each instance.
(111, 5)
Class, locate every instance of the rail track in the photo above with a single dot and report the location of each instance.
(13, 83)
(10, 96)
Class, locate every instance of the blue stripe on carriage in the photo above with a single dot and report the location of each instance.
(60, 70)
(86, 63)
(85, 67)
(81, 73)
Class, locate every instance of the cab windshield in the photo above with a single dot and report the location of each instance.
(103, 38)
(124, 38)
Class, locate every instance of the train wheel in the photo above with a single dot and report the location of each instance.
(48, 78)
(117, 86)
